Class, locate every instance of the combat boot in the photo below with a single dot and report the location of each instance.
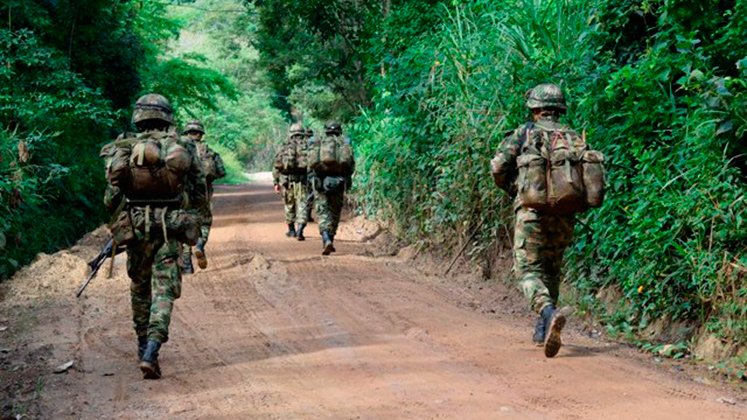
(142, 343)
(186, 264)
(552, 333)
(291, 233)
(540, 328)
(299, 234)
(149, 362)
(200, 254)
(332, 239)
(327, 243)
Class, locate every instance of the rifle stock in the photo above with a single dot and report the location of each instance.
(108, 251)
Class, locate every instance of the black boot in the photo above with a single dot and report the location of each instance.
(187, 267)
(200, 254)
(327, 243)
(540, 328)
(142, 342)
(552, 332)
(149, 363)
(299, 234)
(291, 233)
(332, 239)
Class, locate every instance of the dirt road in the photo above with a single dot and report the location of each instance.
(274, 330)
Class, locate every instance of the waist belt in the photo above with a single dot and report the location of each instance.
(171, 204)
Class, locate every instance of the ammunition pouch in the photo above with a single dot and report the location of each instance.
(333, 184)
(144, 223)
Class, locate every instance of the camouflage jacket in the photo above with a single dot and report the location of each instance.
(212, 163)
(503, 165)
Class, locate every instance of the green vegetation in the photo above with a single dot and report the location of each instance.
(660, 87)
(427, 89)
(70, 73)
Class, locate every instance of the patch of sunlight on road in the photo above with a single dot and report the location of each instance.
(259, 177)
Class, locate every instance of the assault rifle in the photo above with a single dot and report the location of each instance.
(108, 251)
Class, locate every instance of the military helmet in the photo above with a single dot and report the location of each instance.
(546, 95)
(195, 125)
(153, 107)
(333, 127)
(296, 128)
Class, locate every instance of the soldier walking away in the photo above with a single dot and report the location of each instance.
(331, 164)
(310, 201)
(546, 198)
(213, 167)
(289, 178)
(155, 188)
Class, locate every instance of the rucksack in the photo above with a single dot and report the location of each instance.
(148, 166)
(291, 159)
(558, 173)
(331, 155)
(211, 163)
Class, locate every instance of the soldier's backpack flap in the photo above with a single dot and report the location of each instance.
(149, 166)
(332, 155)
(558, 174)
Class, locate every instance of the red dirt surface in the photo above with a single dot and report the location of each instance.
(273, 330)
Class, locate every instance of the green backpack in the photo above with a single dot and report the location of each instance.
(148, 166)
(291, 159)
(558, 173)
(331, 155)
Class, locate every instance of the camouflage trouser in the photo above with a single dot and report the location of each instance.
(156, 283)
(206, 217)
(539, 244)
(294, 197)
(207, 221)
(328, 210)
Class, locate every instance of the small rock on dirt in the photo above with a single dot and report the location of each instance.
(64, 367)
(727, 400)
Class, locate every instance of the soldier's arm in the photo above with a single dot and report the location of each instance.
(220, 167)
(503, 166)
(196, 182)
(112, 198)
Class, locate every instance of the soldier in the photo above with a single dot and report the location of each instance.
(290, 180)
(213, 167)
(310, 202)
(333, 169)
(540, 238)
(155, 186)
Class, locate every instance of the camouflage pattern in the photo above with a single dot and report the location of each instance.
(328, 207)
(540, 240)
(294, 200)
(539, 243)
(152, 107)
(152, 259)
(212, 164)
(156, 283)
(546, 95)
(194, 125)
(503, 166)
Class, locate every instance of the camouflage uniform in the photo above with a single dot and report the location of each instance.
(214, 169)
(309, 134)
(151, 257)
(540, 240)
(295, 195)
(329, 194)
(294, 186)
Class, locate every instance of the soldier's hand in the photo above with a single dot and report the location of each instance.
(276, 187)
